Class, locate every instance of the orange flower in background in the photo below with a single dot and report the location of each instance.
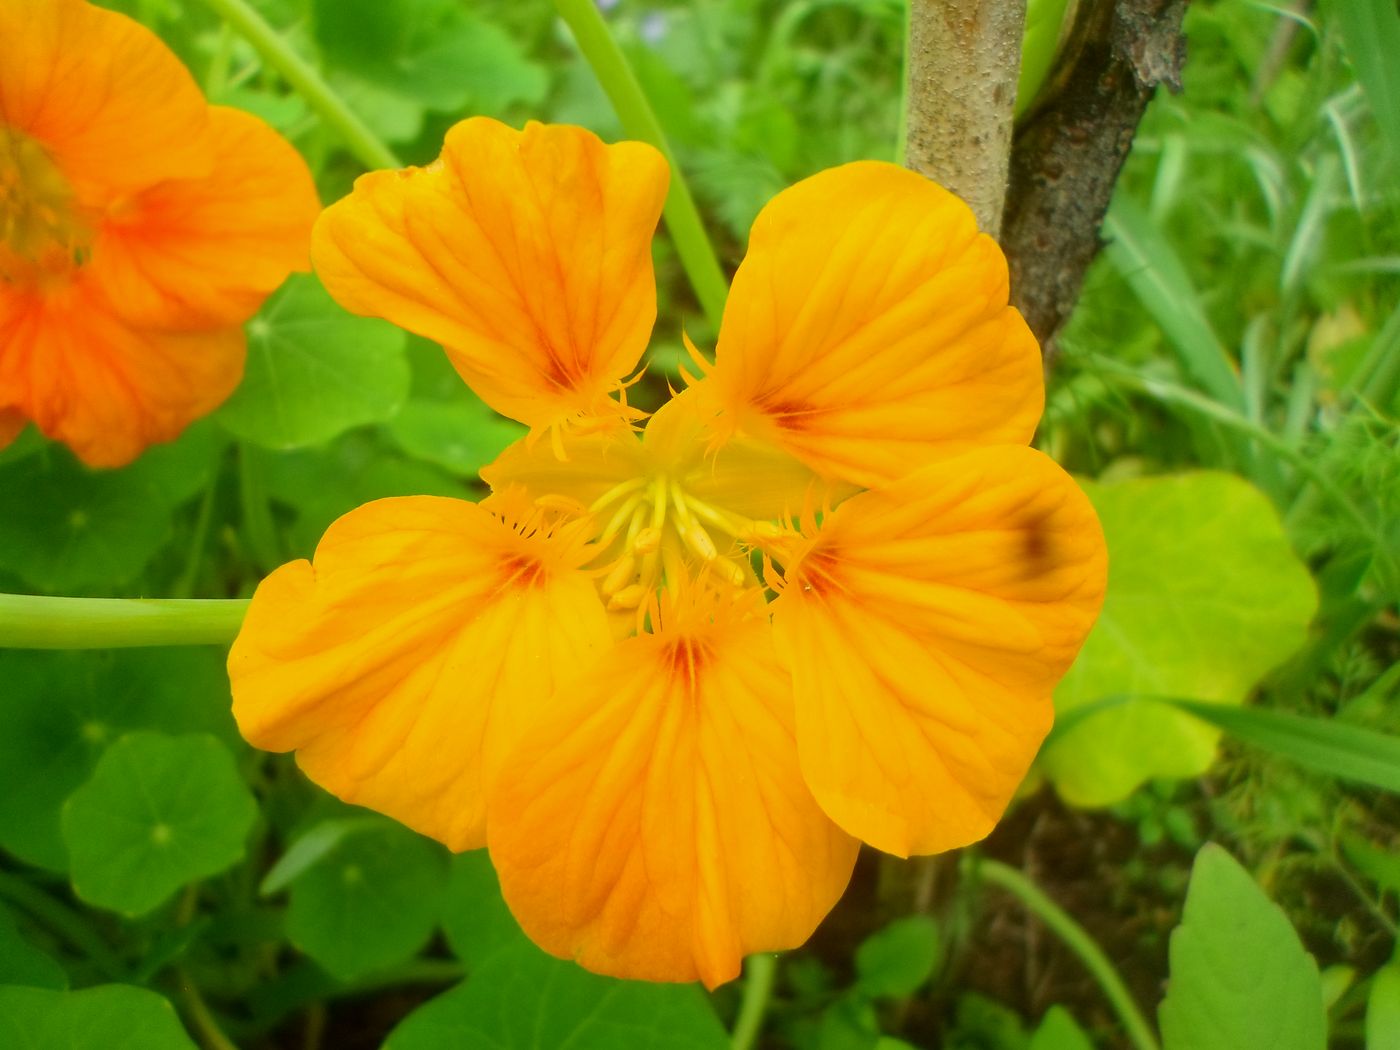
(672, 679)
(139, 228)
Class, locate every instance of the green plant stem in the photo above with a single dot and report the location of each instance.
(259, 530)
(367, 147)
(29, 621)
(63, 921)
(201, 1017)
(615, 74)
(184, 586)
(759, 974)
(1077, 939)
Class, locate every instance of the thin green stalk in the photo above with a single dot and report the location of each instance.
(63, 921)
(1077, 939)
(259, 530)
(615, 74)
(184, 586)
(277, 53)
(759, 974)
(201, 1017)
(29, 621)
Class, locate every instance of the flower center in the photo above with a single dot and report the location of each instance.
(655, 530)
(41, 226)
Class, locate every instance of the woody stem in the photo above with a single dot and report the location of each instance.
(683, 221)
(963, 58)
(367, 147)
(29, 621)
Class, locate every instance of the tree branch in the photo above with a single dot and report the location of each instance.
(1066, 158)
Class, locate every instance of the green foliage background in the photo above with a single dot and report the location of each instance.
(1230, 380)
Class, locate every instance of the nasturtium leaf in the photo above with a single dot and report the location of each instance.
(462, 435)
(1239, 975)
(68, 529)
(1383, 1010)
(108, 1017)
(1205, 595)
(431, 52)
(314, 371)
(312, 846)
(62, 709)
(895, 961)
(157, 813)
(321, 484)
(23, 963)
(1059, 1031)
(475, 918)
(523, 999)
(372, 902)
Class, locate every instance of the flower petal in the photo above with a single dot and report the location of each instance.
(106, 389)
(867, 330)
(526, 254)
(110, 103)
(405, 661)
(208, 251)
(925, 627)
(656, 826)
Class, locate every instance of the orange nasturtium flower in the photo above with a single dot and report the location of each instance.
(583, 671)
(139, 228)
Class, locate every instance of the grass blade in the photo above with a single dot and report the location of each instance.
(1157, 277)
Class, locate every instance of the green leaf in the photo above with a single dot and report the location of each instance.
(321, 484)
(62, 709)
(475, 918)
(525, 1000)
(462, 436)
(314, 371)
(373, 902)
(897, 960)
(77, 529)
(157, 813)
(431, 52)
(22, 963)
(1383, 1010)
(1239, 975)
(1059, 1031)
(311, 848)
(1371, 32)
(1205, 595)
(108, 1017)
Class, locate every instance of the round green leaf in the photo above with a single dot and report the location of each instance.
(475, 918)
(157, 813)
(373, 902)
(523, 999)
(462, 435)
(314, 371)
(1205, 595)
(76, 529)
(1239, 975)
(1059, 1031)
(108, 1017)
(894, 962)
(62, 709)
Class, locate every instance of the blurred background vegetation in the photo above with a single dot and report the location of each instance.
(1227, 387)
